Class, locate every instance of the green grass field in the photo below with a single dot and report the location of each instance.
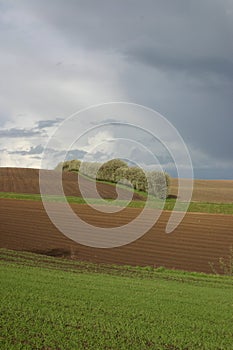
(201, 207)
(49, 303)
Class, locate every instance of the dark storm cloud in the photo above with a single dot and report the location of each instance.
(200, 67)
(180, 36)
(175, 56)
(174, 34)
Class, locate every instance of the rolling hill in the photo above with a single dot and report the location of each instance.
(199, 240)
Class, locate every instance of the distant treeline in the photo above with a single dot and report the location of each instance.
(117, 171)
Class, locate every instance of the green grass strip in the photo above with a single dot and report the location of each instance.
(201, 207)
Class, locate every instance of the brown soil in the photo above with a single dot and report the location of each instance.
(213, 191)
(24, 180)
(199, 239)
(21, 180)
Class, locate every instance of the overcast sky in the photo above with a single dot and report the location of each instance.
(174, 56)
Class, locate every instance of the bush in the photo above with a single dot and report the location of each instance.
(139, 179)
(69, 165)
(154, 182)
(116, 170)
(74, 165)
(121, 175)
(134, 175)
(158, 183)
(65, 166)
(107, 171)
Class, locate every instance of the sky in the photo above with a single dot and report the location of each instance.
(173, 56)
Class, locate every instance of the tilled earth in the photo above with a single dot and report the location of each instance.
(199, 240)
(25, 180)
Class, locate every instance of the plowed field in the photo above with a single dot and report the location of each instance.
(22, 180)
(199, 239)
(212, 191)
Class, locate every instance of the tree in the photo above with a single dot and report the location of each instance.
(107, 171)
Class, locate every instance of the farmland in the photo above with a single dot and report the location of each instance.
(55, 304)
(199, 241)
(212, 191)
(18, 180)
(57, 294)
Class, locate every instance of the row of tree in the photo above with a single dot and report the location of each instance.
(117, 171)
